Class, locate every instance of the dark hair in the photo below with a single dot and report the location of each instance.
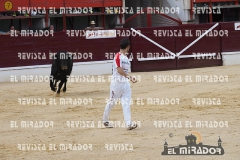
(11, 26)
(124, 43)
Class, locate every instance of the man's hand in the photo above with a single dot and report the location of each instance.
(133, 79)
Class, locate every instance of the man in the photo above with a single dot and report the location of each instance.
(93, 26)
(120, 86)
(51, 28)
(11, 30)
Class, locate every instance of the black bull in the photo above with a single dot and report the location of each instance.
(61, 69)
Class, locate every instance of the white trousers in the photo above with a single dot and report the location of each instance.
(123, 92)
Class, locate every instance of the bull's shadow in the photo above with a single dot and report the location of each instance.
(61, 69)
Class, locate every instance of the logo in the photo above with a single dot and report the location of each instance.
(100, 34)
(194, 147)
(8, 5)
(125, 62)
(237, 26)
(207, 10)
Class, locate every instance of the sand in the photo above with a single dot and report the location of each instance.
(145, 142)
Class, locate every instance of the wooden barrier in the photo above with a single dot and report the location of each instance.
(141, 49)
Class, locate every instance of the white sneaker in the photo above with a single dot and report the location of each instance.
(132, 126)
(107, 125)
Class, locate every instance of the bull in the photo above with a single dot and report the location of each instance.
(61, 69)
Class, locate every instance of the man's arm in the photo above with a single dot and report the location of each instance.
(9, 32)
(5, 34)
(121, 71)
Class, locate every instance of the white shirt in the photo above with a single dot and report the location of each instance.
(120, 60)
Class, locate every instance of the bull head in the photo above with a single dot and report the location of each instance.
(62, 59)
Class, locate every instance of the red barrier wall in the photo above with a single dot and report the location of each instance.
(231, 42)
(206, 45)
(140, 47)
(11, 46)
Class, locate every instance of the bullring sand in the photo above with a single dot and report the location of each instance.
(145, 142)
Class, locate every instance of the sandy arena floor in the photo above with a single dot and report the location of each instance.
(145, 142)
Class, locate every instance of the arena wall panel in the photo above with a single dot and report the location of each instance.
(140, 48)
(12, 46)
(230, 43)
(205, 45)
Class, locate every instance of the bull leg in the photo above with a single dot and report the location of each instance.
(60, 86)
(55, 84)
(52, 86)
(65, 87)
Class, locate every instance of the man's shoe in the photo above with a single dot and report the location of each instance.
(107, 125)
(132, 126)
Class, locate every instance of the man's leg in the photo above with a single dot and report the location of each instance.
(116, 90)
(126, 101)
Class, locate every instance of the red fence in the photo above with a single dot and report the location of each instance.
(140, 47)
(10, 47)
(206, 45)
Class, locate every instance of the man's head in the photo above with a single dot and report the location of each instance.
(125, 44)
(92, 24)
(11, 28)
(51, 27)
